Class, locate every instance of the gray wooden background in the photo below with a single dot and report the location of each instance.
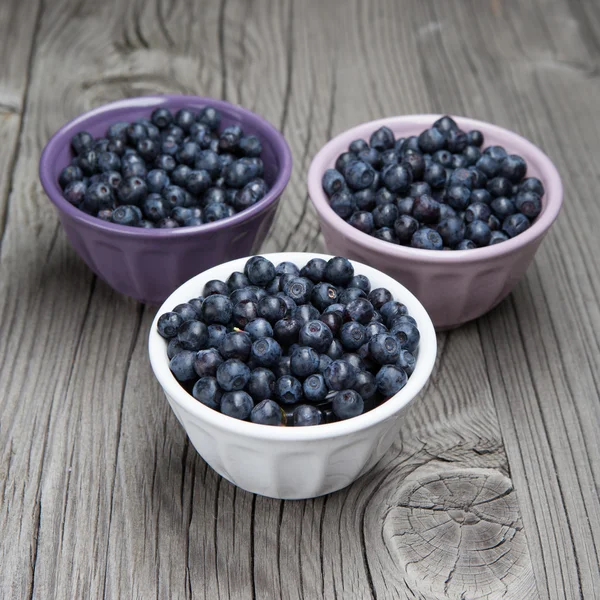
(491, 490)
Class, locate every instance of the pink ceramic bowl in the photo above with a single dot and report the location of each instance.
(456, 286)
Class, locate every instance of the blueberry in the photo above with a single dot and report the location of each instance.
(267, 412)
(266, 352)
(338, 307)
(456, 141)
(216, 211)
(379, 296)
(496, 237)
(499, 186)
(185, 118)
(513, 167)
(182, 365)
(471, 154)
(343, 160)
(252, 192)
(431, 140)
(515, 224)
(427, 239)
(385, 215)
(451, 230)
(481, 195)
(347, 403)
(391, 310)
(118, 131)
(127, 215)
(502, 207)
(384, 196)
(216, 333)
(272, 308)
(426, 209)
(446, 212)
(406, 361)
(261, 384)
(382, 139)
(167, 223)
(210, 117)
(339, 271)
(459, 161)
(359, 175)
(168, 324)
(244, 312)
(259, 270)
(288, 389)
(475, 137)
(343, 204)
(363, 221)
(397, 178)
(323, 295)
(529, 203)
(446, 124)
(106, 215)
(339, 375)
(314, 269)
(532, 184)
(68, 175)
(214, 195)
(180, 214)
(420, 188)
(465, 245)
(389, 157)
(315, 334)
(357, 145)
(193, 335)
(236, 344)
(233, 374)
(173, 348)
(478, 232)
(350, 294)
(360, 310)
(245, 293)
(88, 162)
(370, 156)
(384, 348)
(113, 178)
(216, 309)
(239, 173)
(333, 320)
(304, 361)
(401, 319)
(488, 166)
(404, 228)
(352, 335)
(237, 281)
(305, 313)
(187, 312)
(407, 335)
(498, 153)
(443, 157)
(365, 384)
(207, 362)
(415, 162)
(494, 223)
(82, 142)
(306, 415)
(390, 379)
(290, 305)
(299, 289)
(237, 404)
(477, 211)
(435, 175)
(287, 268)
(333, 181)
(230, 138)
(409, 143)
(258, 328)
(283, 367)
(98, 196)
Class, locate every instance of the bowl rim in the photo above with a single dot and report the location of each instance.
(425, 362)
(104, 112)
(515, 142)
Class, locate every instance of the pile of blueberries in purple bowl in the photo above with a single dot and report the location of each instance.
(153, 190)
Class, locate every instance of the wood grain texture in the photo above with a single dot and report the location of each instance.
(491, 489)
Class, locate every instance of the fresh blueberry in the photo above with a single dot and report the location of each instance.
(82, 142)
(379, 296)
(338, 307)
(496, 237)
(173, 348)
(475, 138)
(314, 270)
(406, 361)
(118, 131)
(88, 162)
(391, 309)
(261, 384)
(529, 203)
(435, 175)
(365, 384)
(132, 190)
(477, 211)
(352, 335)
(465, 245)
(359, 309)
(267, 412)
(502, 207)
(456, 141)
(239, 173)
(161, 117)
(382, 139)
(390, 379)
(288, 389)
(446, 211)
(420, 188)
(348, 403)
(427, 239)
(359, 175)
(339, 271)
(305, 313)
(206, 390)
(314, 388)
(258, 328)
(272, 308)
(244, 312)
(404, 227)
(182, 365)
(207, 362)
(515, 224)
(333, 320)
(340, 375)
(266, 352)
(431, 140)
(98, 196)
(322, 295)
(305, 415)
(193, 335)
(237, 404)
(481, 195)
(357, 145)
(333, 181)
(471, 154)
(459, 161)
(513, 167)
(494, 223)
(168, 324)
(499, 186)
(343, 160)
(443, 157)
(68, 175)
(363, 221)
(342, 203)
(446, 124)
(384, 348)
(315, 334)
(304, 361)
(426, 209)
(488, 166)
(397, 178)
(498, 153)
(75, 192)
(532, 184)
(259, 270)
(478, 232)
(365, 200)
(187, 312)
(336, 350)
(415, 162)
(106, 215)
(252, 192)
(216, 309)
(409, 143)
(384, 196)
(233, 374)
(370, 156)
(198, 182)
(290, 305)
(385, 215)
(389, 157)
(407, 335)
(451, 230)
(237, 281)
(126, 215)
(230, 138)
(215, 211)
(236, 344)
(210, 117)
(167, 223)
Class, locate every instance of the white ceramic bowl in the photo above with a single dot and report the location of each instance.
(291, 462)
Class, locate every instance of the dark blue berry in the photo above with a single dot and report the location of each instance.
(193, 335)
(446, 124)
(198, 182)
(250, 146)
(323, 295)
(477, 211)
(435, 175)
(126, 215)
(404, 227)
(236, 344)
(339, 271)
(502, 207)
(182, 365)
(347, 403)
(385, 215)
(357, 145)
(168, 324)
(390, 379)
(384, 348)
(315, 334)
(471, 154)
(478, 232)
(340, 375)
(233, 374)
(382, 139)
(415, 163)
(532, 184)
(389, 157)
(299, 289)
(465, 245)
(306, 415)
(267, 412)
(379, 296)
(494, 223)
(475, 137)
(427, 239)
(187, 312)
(384, 196)
(343, 160)
(333, 320)
(266, 352)
(498, 153)
(82, 142)
(359, 309)
(305, 313)
(217, 211)
(132, 190)
(481, 195)
(419, 189)
(363, 221)
(206, 390)
(333, 181)
(252, 192)
(352, 335)
(207, 362)
(98, 196)
(106, 215)
(529, 203)
(230, 138)
(397, 178)
(343, 204)
(371, 157)
(451, 230)
(173, 348)
(244, 312)
(68, 175)
(488, 166)
(288, 389)
(237, 281)
(443, 157)
(407, 335)
(406, 361)
(426, 209)
(272, 308)
(210, 117)
(239, 173)
(456, 140)
(261, 384)
(259, 270)
(515, 224)
(304, 361)
(359, 175)
(287, 268)
(431, 140)
(167, 223)
(499, 186)
(237, 404)
(350, 294)
(336, 350)
(259, 328)
(161, 117)
(75, 192)
(459, 161)
(496, 237)
(392, 309)
(216, 309)
(365, 384)
(314, 269)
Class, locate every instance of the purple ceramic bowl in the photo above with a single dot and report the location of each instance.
(148, 264)
(456, 286)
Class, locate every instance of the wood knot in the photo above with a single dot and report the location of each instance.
(457, 533)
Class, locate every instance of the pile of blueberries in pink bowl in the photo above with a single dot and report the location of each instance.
(155, 189)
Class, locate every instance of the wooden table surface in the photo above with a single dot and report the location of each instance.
(103, 496)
